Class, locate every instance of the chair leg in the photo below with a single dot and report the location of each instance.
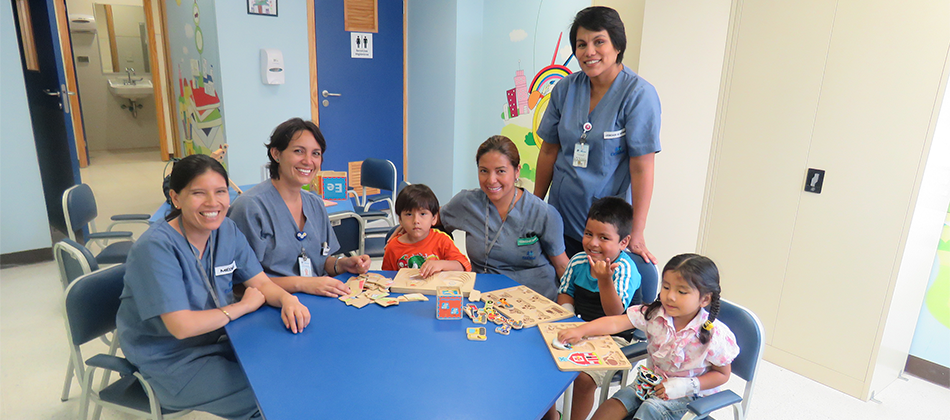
(568, 401)
(86, 395)
(69, 380)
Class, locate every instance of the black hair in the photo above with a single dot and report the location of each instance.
(187, 170)
(500, 144)
(600, 18)
(613, 211)
(417, 196)
(284, 134)
(702, 274)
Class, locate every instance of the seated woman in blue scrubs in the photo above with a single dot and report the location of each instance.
(600, 132)
(288, 227)
(508, 232)
(177, 297)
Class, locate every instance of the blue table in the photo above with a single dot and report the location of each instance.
(341, 206)
(398, 362)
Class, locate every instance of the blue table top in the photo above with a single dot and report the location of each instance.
(396, 362)
(341, 206)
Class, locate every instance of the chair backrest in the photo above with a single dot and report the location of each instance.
(73, 260)
(649, 278)
(79, 208)
(750, 335)
(378, 173)
(92, 302)
(349, 230)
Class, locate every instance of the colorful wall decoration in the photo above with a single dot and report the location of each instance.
(932, 336)
(194, 55)
(525, 104)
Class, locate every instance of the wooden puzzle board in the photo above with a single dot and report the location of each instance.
(594, 353)
(408, 281)
(527, 305)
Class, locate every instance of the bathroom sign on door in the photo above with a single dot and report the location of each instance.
(361, 45)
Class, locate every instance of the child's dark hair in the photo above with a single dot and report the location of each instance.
(186, 170)
(702, 274)
(417, 196)
(613, 211)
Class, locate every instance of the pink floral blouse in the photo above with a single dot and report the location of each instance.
(679, 353)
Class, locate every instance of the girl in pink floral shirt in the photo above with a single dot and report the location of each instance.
(687, 346)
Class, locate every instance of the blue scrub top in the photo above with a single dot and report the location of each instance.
(529, 219)
(624, 124)
(162, 276)
(261, 214)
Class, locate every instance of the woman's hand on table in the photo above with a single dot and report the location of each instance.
(357, 264)
(638, 246)
(252, 300)
(295, 315)
(324, 286)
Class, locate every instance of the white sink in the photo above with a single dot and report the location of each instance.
(139, 90)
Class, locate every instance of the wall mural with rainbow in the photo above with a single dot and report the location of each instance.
(524, 107)
(932, 335)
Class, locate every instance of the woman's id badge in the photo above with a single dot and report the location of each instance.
(581, 150)
(303, 261)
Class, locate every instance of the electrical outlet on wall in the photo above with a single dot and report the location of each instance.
(814, 180)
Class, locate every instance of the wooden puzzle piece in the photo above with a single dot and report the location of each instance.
(474, 296)
(476, 333)
(413, 297)
(591, 354)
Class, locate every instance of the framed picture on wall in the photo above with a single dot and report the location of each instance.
(262, 7)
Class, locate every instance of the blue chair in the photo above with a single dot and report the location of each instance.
(375, 246)
(79, 208)
(380, 174)
(349, 229)
(750, 335)
(74, 261)
(91, 304)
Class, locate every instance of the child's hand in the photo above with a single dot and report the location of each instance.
(570, 336)
(431, 267)
(674, 388)
(602, 270)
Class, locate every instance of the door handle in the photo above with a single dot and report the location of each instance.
(328, 94)
(50, 92)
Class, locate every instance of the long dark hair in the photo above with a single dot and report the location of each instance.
(702, 274)
(187, 170)
(284, 134)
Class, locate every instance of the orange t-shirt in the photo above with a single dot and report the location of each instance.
(437, 245)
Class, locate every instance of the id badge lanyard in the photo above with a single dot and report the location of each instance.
(582, 149)
(490, 245)
(201, 267)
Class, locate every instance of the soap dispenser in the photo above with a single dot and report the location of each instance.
(272, 66)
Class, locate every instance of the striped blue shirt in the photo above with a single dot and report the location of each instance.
(626, 278)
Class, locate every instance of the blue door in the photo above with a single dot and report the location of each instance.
(366, 119)
(50, 111)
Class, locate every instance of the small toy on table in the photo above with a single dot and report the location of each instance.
(503, 329)
(448, 300)
(476, 333)
(480, 317)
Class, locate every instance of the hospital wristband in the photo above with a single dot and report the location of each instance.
(226, 314)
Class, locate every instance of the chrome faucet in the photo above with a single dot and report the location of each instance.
(129, 72)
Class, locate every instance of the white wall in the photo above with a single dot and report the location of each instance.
(23, 222)
(682, 50)
(254, 109)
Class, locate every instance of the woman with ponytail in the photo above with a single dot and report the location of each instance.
(688, 348)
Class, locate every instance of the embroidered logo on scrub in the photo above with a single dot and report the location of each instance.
(225, 269)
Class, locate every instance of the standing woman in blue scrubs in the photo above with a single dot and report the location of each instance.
(601, 131)
(177, 297)
(288, 227)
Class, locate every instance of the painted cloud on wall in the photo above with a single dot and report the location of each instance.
(518, 35)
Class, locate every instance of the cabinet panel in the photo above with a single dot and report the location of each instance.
(877, 98)
(769, 113)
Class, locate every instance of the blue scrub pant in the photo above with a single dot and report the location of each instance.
(219, 387)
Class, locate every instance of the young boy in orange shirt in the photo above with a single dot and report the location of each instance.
(420, 246)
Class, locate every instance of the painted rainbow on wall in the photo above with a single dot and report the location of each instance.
(547, 75)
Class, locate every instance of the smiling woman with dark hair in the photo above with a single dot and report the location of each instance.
(178, 297)
(601, 131)
(288, 227)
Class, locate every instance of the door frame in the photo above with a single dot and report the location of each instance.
(315, 96)
(161, 87)
(72, 86)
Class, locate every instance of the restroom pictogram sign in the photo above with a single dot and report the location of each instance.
(361, 45)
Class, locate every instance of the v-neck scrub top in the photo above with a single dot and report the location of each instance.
(531, 219)
(162, 276)
(261, 214)
(625, 124)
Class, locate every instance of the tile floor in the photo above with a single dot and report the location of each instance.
(33, 351)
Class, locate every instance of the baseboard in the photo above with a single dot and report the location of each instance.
(928, 371)
(32, 256)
